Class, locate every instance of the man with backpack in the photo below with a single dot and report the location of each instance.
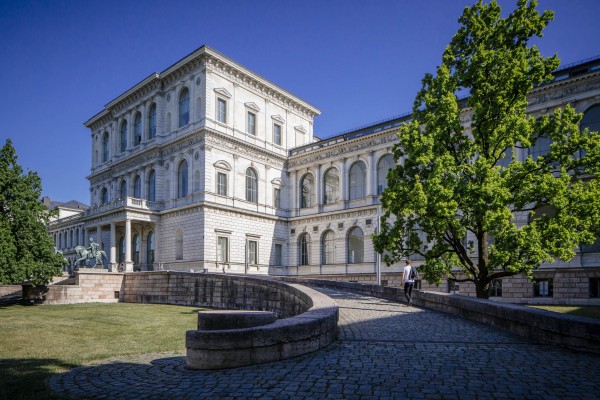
(408, 278)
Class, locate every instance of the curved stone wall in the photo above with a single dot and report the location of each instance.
(232, 292)
(307, 319)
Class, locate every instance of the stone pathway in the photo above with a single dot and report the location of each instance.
(386, 350)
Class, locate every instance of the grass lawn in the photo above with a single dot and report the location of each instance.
(38, 342)
(580, 311)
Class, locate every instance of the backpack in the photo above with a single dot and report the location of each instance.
(414, 274)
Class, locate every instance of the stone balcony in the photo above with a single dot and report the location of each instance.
(128, 202)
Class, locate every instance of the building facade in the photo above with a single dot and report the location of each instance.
(207, 166)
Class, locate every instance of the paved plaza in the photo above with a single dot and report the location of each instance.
(385, 350)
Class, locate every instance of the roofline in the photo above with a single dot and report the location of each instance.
(203, 50)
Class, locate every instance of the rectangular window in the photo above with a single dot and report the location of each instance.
(277, 134)
(495, 288)
(251, 123)
(222, 184)
(252, 252)
(277, 197)
(543, 288)
(595, 288)
(223, 249)
(222, 111)
(453, 286)
(278, 254)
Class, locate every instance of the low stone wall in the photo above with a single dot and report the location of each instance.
(10, 294)
(232, 292)
(89, 287)
(573, 332)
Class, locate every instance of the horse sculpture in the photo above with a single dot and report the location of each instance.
(84, 254)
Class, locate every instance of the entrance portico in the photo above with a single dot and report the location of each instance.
(128, 237)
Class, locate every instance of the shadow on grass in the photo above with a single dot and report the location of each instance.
(195, 311)
(26, 378)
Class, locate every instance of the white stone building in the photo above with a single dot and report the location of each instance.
(207, 166)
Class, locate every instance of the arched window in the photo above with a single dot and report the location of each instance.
(150, 250)
(77, 237)
(137, 129)
(123, 137)
(541, 147)
(385, 164)
(104, 196)
(591, 119)
(123, 189)
(105, 147)
(179, 245)
(307, 184)
(184, 107)
(71, 239)
(251, 186)
(332, 186)
(328, 248)
(355, 245)
(182, 179)
(122, 249)
(137, 187)
(303, 254)
(151, 186)
(357, 178)
(135, 249)
(152, 122)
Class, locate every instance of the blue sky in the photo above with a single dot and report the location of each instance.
(357, 61)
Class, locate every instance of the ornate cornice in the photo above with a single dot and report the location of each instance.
(556, 91)
(333, 216)
(262, 87)
(346, 147)
(240, 214)
(235, 146)
(203, 60)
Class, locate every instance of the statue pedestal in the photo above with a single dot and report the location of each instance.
(98, 270)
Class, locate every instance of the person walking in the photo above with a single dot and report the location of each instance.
(408, 281)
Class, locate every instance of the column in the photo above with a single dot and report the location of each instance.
(371, 183)
(319, 189)
(128, 262)
(130, 120)
(143, 249)
(344, 183)
(234, 178)
(156, 249)
(113, 245)
(294, 206)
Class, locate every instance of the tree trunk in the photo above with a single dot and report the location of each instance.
(482, 290)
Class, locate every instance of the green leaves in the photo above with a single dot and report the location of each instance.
(26, 250)
(459, 197)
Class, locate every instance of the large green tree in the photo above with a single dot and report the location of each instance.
(459, 197)
(26, 251)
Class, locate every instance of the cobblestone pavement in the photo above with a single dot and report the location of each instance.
(386, 350)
